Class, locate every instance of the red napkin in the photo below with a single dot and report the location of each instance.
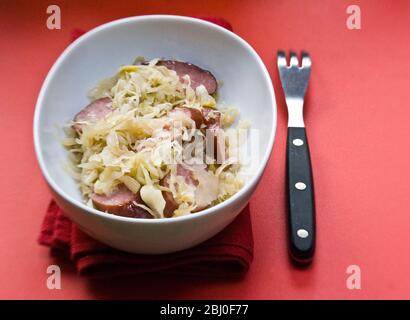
(228, 254)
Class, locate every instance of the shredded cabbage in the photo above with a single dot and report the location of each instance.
(141, 141)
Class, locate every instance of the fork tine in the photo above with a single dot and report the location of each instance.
(294, 62)
(282, 59)
(306, 61)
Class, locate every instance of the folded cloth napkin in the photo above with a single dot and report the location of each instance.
(228, 254)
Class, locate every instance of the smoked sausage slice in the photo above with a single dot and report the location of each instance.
(121, 202)
(197, 75)
(93, 112)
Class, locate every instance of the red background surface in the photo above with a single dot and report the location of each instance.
(358, 125)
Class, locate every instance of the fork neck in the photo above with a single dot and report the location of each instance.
(295, 112)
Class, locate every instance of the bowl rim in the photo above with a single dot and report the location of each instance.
(251, 183)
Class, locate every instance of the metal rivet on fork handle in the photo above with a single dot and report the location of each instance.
(302, 233)
(300, 186)
(297, 142)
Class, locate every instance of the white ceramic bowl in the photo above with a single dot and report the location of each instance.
(97, 55)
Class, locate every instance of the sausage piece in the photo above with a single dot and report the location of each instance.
(93, 112)
(121, 202)
(171, 205)
(214, 134)
(197, 75)
(193, 113)
(212, 118)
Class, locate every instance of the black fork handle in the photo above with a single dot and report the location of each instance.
(302, 230)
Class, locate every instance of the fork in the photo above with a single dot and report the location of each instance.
(301, 204)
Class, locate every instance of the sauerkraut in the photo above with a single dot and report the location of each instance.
(151, 143)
